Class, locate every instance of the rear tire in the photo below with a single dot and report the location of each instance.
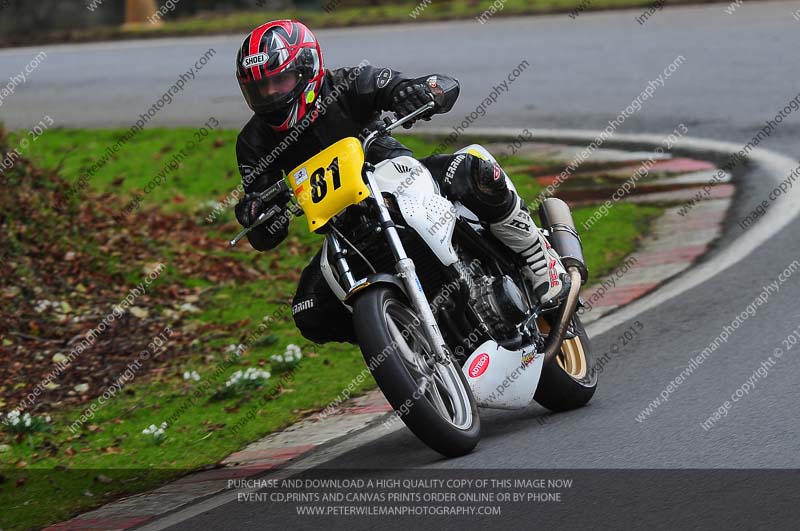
(379, 314)
(570, 381)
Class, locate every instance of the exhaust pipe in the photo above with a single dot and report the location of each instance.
(556, 217)
(552, 345)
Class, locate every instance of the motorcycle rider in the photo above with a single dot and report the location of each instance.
(300, 108)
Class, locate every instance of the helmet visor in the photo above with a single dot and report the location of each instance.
(272, 93)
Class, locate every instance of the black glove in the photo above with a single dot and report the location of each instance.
(249, 208)
(410, 96)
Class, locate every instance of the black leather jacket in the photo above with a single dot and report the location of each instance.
(349, 101)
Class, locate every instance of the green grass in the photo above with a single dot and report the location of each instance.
(208, 172)
(200, 436)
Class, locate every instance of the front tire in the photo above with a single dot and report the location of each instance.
(442, 413)
(569, 382)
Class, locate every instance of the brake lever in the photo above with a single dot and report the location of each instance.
(263, 218)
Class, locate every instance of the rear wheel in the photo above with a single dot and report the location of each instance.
(433, 399)
(570, 381)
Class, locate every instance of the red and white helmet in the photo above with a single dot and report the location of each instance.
(280, 71)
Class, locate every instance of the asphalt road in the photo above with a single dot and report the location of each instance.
(740, 70)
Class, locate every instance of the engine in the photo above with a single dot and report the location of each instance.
(500, 304)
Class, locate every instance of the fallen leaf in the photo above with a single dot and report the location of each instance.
(190, 308)
(11, 292)
(151, 267)
(141, 313)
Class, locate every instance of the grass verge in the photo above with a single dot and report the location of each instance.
(214, 298)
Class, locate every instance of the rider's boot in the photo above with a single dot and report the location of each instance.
(545, 270)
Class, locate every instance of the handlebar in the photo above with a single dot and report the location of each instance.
(383, 129)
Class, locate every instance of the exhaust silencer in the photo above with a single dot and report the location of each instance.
(556, 217)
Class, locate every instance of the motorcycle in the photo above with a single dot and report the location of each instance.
(443, 315)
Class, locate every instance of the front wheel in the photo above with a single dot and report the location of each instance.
(433, 399)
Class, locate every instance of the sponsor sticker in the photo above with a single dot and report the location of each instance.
(300, 176)
(478, 365)
(451, 170)
(302, 306)
(383, 78)
(528, 358)
(254, 60)
(246, 171)
(553, 274)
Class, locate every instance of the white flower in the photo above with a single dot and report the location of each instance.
(156, 432)
(250, 374)
(47, 418)
(235, 348)
(293, 351)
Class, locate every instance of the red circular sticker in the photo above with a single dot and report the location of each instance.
(478, 365)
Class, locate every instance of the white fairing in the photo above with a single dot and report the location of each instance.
(503, 379)
(499, 378)
(432, 216)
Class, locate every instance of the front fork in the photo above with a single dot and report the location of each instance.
(405, 270)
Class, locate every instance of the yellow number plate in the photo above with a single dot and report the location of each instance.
(329, 182)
